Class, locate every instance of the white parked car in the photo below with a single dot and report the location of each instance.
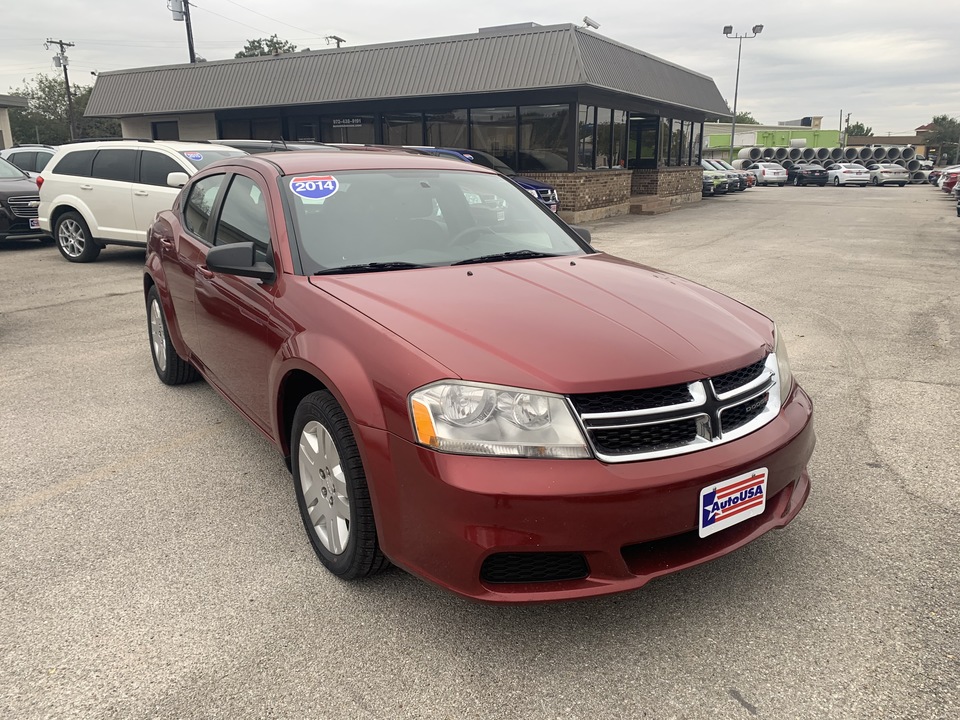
(768, 173)
(29, 158)
(108, 192)
(848, 174)
(888, 174)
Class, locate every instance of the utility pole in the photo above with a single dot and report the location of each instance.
(336, 39)
(181, 13)
(60, 60)
(728, 31)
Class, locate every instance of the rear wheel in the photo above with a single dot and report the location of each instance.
(171, 368)
(796, 181)
(74, 240)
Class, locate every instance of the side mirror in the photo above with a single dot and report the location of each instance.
(582, 232)
(177, 179)
(239, 259)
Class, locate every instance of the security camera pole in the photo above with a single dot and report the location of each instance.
(60, 60)
(728, 31)
(181, 12)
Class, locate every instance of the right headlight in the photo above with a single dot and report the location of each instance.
(783, 366)
(481, 419)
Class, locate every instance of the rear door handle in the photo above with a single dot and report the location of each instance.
(86, 187)
(141, 193)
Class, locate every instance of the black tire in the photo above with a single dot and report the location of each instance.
(360, 556)
(876, 182)
(171, 368)
(74, 240)
(836, 182)
(796, 181)
(901, 184)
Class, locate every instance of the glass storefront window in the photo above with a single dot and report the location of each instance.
(696, 140)
(494, 130)
(235, 129)
(664, 141)
(347, 129)
(305, 129)
(543, 138)
(619, 155)
(266, 129)
(642, 143)
(685, 151)
(676, 142)
(586, 118)
(446, 129)
(604, 138)
(403, 129)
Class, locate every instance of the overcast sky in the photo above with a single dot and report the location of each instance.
(891, 64)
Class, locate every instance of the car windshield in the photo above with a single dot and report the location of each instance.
(418, 217)
(9, 171)
(201, 157)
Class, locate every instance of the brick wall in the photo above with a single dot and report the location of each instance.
(667, 182)
(590, 190)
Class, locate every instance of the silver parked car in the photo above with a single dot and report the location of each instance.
(888, 174)
(768, 173)
(848, 174)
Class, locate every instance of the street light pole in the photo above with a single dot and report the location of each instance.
(728, 31)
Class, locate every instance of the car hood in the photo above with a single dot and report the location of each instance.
(566, 325)
(530, 183)
(18, 186)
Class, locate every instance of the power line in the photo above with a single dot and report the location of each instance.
(295, 27)
(259, 30)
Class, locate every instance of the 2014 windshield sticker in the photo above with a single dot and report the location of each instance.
(193, 155)
(314, 187)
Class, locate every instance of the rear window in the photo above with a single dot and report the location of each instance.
(78, 163)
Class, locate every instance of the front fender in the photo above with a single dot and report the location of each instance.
(154, 275)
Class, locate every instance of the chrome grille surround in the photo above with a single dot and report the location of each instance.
(749, 406)
(25, 206)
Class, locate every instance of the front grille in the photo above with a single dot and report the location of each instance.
(645, 438)
(25, 206)
(739, 415)
(627, 400)
(732, 380)
(534, 567)
(659, 422)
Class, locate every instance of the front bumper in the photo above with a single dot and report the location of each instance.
(18, 228)
(441, 516)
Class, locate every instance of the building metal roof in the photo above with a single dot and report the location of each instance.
(13, 101)
(493, 60)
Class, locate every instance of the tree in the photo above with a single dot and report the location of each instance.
(944, 135)
(45, 120)
(266, 46)
(858, 129)
(743, 118)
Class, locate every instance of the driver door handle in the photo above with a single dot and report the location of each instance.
(205, 271)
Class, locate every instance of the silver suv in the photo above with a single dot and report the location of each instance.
(107, 192)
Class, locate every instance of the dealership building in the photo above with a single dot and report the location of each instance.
(613, 128)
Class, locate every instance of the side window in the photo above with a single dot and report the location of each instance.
(77, 163)
(24, 160)
(42, 159)
(244, 215)
(154, 167)
(115, 165)
(199, 204)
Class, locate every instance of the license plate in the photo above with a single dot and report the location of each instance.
(34, 224)
(732, 501)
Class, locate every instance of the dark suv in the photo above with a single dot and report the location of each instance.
(19, 203)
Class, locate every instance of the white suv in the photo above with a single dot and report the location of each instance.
(107, 192)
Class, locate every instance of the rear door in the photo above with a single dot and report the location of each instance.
(151, 194)
(108, 194)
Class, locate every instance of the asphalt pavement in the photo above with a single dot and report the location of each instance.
(153, 564)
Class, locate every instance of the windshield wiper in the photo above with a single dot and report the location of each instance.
(512, 255)
(369, 267)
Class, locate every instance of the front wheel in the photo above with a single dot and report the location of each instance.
(836, 182)
(74, 240)
(876, 182)
(331, 489)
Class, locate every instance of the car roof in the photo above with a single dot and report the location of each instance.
(291, 163)
(125, 143)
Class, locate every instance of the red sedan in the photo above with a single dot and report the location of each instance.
(463, 387)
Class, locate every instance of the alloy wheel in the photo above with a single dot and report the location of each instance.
(324, 487)
(158, 338)
(71, 238)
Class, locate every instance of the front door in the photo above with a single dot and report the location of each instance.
(238, 337)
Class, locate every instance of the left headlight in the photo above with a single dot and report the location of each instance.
(783, 366)
(481, 419)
